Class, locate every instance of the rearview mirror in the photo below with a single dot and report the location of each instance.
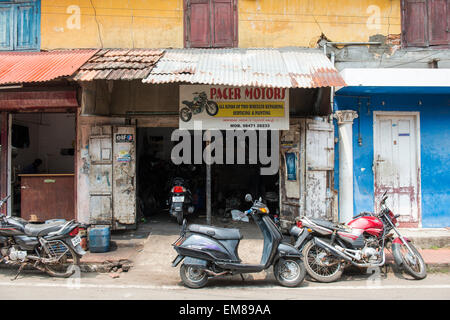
(248, 197)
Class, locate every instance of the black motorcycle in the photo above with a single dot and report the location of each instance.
(210, 251)
(196, 106)
(53, 247)
(180, 200)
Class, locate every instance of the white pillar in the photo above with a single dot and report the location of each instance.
(345, 123)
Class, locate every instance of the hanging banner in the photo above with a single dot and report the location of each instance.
(234, 108)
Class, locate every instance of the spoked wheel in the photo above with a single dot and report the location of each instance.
(212, 108)
(185, 114)
(320, 265)
(289, 272)
(412, 263)
(66, 261)
(193, 277)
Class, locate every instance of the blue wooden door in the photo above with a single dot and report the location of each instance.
(19, 25)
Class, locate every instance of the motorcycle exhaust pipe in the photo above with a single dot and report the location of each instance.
(212, 273)
(322, 244)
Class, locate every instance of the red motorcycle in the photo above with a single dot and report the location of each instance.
(328, 247)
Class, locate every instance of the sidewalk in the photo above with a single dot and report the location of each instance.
(149, 247)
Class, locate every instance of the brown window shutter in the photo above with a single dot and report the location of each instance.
(224, 15)
(414, 20)
(439, 22)
(197, 23)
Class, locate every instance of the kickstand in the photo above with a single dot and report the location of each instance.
(18, 272)
(242, 277)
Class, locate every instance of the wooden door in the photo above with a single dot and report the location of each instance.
(124, 173)
(319, 169)
(100, 175)
(397, 165)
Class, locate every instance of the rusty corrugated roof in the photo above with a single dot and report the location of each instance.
(282, 67)
(119, 64)
(25, 67)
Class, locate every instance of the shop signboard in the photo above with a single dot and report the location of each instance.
(233, 108)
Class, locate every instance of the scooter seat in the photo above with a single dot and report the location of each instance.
(41, 229)
(216, 232)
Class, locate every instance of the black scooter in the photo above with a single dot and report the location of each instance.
(211, 251)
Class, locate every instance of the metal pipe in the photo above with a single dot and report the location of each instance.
(354, 43)
(19, 86)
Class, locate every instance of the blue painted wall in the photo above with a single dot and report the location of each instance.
(434, 140)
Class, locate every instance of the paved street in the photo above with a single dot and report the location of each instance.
(34, 285)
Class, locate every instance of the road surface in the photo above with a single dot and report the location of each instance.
(92, 286)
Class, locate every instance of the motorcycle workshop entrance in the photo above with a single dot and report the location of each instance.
(290, 166)
(229, 182)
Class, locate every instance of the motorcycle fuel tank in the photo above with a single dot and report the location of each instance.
(370, 224)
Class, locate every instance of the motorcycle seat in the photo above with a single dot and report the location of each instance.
(326, 224)
(188, 103)
(41, 229)
(216, 232)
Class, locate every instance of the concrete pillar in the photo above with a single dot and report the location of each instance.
(345, 123)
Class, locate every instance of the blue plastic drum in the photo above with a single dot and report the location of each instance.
(99, 239)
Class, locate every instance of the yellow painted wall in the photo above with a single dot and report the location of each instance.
(262, 23)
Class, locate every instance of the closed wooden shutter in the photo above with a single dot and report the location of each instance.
(210, 23)
(415, 23)
(19, 25)
(197, 23)
(439, 22)
(223, 23)
(27, 20)
(6, 27)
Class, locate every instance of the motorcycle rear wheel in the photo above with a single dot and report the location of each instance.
(180, 218)
(413, 265)
(185, 114)
(317, 271)
(66, 267)
(193, 277)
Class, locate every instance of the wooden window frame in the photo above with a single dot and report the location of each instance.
(427, 28)
(15, 5)
(186, 24)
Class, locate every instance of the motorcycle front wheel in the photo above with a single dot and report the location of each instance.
(316, 264)
(193, 277)
(66, 265)
(289, 272)
(413, 264)
(212, 108)
(185, 114)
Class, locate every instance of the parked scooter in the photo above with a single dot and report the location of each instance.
(210, 251)
(180, 200)
(53, 248)
(328, 247)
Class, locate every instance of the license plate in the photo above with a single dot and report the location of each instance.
(178, 199)
(76, 240)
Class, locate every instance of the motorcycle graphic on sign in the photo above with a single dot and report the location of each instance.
(197, 105)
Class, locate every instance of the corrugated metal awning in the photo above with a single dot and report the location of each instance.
(26, 67)
(282, 67)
